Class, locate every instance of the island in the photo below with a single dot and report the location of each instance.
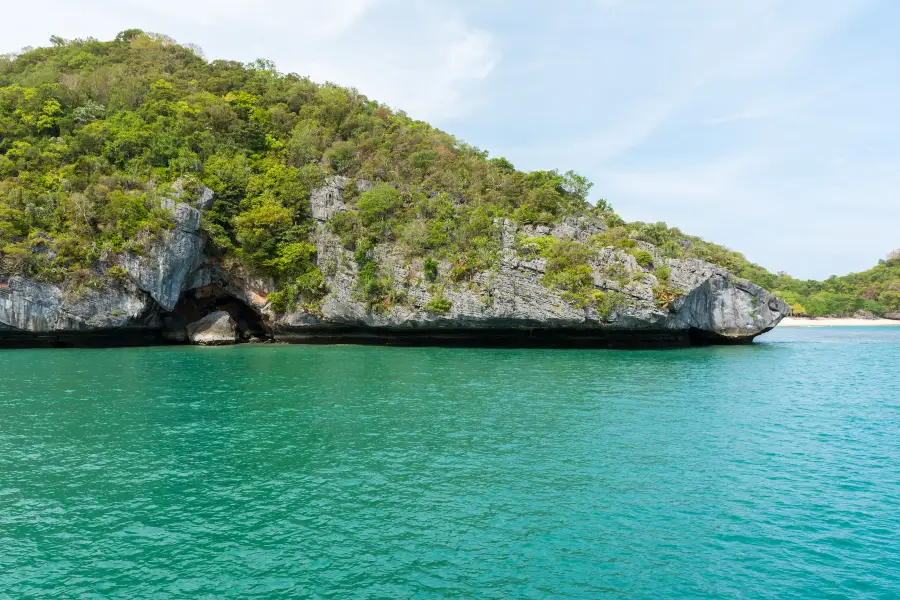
(150, 196)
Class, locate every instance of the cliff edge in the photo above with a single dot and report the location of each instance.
(633, 297)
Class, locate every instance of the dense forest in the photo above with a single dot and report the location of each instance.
(94, 134)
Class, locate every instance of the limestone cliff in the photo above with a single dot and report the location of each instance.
(511, 304)
(172, 286)
(124, 311)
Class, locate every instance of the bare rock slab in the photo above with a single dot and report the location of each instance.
(215, 329)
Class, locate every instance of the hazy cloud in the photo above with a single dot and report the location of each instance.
(424, 58)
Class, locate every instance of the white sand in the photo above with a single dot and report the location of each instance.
(828, 322)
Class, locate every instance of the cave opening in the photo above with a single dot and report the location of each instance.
(197, 303)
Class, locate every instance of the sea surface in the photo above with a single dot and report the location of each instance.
(763, 471)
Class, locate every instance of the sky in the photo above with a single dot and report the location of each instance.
(768, 126)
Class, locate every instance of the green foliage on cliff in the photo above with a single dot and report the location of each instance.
(876, 290)
(568, 270)
(644, 258)
(93, 134)
(439, 304)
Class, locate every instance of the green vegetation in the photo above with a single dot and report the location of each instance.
(876, 291)
(606, 302)
(439, 304)
(372, 287)
(664, 295)
(430, 268)
(93, 135)
(644, 258)
(568, 270)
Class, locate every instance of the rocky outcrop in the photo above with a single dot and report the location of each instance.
(328, 200)
(175, 294)
(161, 271)
(28, 305)
(113, 314)
(895, 316)
(215, 329)
(512, 305)
(728, 308)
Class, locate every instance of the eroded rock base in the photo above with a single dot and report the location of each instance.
(215, 329)
(198, 304)
(506, 338)
(467, 338)
(116, 338)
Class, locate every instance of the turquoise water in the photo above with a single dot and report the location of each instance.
(764, 471)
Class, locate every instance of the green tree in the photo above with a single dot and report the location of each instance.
(341, 157)
(378, 206)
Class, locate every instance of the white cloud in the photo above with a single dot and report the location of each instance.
(430, 65)
(681, 188)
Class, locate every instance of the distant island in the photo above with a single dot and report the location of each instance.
(148, 195)
(857, 321)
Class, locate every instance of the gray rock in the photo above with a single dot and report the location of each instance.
(205, 199)
(43, 307)
(712, 305)
(893, 315)
(326, 201)
(730, 308)
(154, 278)
(161, 272)
(579, 229)
(216, 329)
(248, 288)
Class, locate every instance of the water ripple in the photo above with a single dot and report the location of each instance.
(768, 471)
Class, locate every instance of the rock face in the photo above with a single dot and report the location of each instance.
(215, 329)
(174, 294)
(730, 308)
(511, 305)
(161, 272)
(33, 312)
(43, 307)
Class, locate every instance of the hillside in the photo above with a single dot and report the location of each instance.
(92, 132)
(101, 143)
(87, 125)
(876, 291)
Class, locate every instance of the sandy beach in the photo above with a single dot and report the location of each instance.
(829, 322)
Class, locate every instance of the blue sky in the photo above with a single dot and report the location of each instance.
(770, 126)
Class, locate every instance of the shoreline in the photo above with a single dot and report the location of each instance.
(837, 322)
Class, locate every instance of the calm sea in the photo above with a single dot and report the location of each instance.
(764, 471)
